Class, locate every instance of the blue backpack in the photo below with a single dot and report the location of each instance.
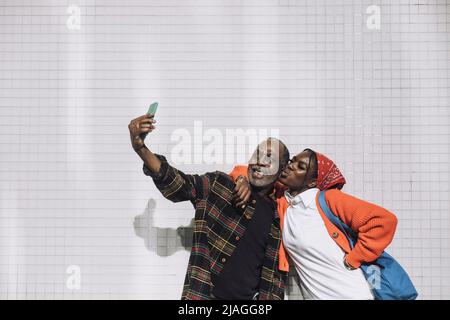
(386, 277)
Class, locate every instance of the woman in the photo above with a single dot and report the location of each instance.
(327, 267)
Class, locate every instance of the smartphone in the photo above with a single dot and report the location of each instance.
(152, 109)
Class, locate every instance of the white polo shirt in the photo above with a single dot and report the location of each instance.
(317, 258)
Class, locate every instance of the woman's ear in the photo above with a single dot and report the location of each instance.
(312, 183)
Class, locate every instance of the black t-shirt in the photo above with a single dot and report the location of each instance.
(239, 279)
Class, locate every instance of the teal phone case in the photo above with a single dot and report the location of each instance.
(153, 107)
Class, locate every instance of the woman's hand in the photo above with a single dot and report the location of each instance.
(347, 265)
(242, 192)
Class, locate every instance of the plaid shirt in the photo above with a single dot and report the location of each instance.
(218, 227)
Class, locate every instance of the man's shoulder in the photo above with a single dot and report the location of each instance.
(222, 178)
(220, 185)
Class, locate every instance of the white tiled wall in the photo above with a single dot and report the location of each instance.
(79, 220)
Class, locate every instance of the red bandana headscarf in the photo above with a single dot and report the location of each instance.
(328, 174)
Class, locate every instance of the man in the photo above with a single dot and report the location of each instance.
(235, 249)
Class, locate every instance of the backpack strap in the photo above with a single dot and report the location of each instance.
(345, 229)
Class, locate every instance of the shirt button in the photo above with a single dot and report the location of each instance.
(237, 238)
(335, 235)
(223, 259)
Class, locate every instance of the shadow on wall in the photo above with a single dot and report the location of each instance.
(167, 241)
(163, 241)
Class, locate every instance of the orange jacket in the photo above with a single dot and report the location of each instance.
(375, 225)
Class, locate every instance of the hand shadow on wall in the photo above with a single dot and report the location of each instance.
(163, 241)
(167, 241)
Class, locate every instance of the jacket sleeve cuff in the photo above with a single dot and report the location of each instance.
(352, 260)
(162, 174)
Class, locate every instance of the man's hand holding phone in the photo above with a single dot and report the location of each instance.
(139, 128)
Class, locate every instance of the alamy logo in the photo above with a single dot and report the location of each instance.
(74, 19)
(213, 146)
(374, 279)
(73, 281)
(374, 20)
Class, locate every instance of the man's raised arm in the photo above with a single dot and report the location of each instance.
(139, 128)
(173, 183)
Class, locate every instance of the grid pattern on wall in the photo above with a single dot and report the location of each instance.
(365, 82)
